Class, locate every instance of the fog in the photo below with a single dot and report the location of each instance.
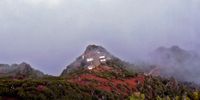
(50, 34)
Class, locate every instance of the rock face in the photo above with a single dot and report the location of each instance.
(95, 55)
(92, 57)
(19, 70)
(99, 69)
(177, 62)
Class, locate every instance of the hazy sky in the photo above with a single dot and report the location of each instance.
(49, 34)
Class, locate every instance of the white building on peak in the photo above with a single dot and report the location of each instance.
(98, 52)
(90, 59)
(102, 57)
(90, 67)
(83, 57)
(103, 60)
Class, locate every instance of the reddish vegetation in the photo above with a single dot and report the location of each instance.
(102, 69)
(84, 79)
(9, 98)
(120, 86)
(40, 88)
(105, 88)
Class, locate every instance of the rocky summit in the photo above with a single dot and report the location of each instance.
(92, 57)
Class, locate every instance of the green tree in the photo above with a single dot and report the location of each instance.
(177, 98)
(137, 97)
(195, 96)
(158, 98)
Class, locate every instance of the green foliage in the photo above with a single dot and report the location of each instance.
(55, 88)
(51, 90)
(107, 75)
(157, 88)
(137, 97)
(195, 95)
(58, 88)
(76, 72)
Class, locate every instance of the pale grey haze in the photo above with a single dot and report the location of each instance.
(50, 34)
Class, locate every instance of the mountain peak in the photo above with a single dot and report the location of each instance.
(175, 59)
(176, 49)
(172, 52)
(93, 57)
(24, 64)
(94, 52)
(95, 48)
(16, 70)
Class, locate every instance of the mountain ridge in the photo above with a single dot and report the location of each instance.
(19, 70)
(98, 75)
(177, 62)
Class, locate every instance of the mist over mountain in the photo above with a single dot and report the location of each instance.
(51, 33)
(98, 75)
(166, 62)
(177, 62)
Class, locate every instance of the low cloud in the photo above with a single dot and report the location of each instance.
(51, 33)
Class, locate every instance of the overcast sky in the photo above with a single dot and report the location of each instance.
(50, 34)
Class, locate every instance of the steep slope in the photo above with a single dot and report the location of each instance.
(93, 57)
(22, 70)
(98, 68)
(177, 62)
